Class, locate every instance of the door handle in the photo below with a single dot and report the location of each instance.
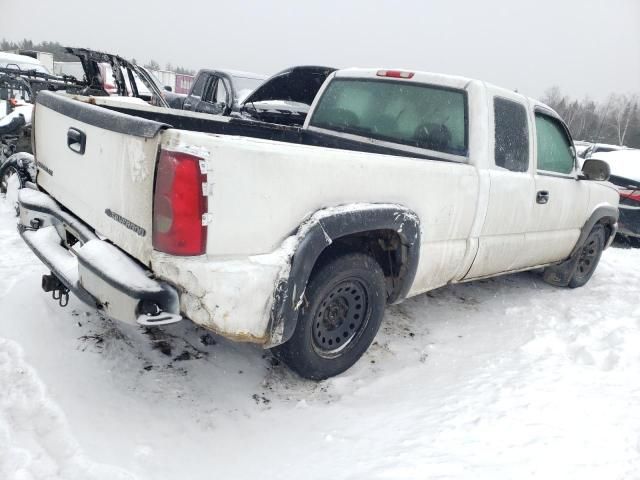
(76, 140)
(542, 197)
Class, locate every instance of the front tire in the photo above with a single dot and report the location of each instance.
(6, 176)
(346, 298)
(589, 257)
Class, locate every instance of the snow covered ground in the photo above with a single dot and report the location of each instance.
(498, 379)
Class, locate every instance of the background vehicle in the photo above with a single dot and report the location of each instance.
(581, 147)
(21, 62)
(286, 97)
(11, 86)
(595, 148)
(274, 239)
(218, 92)
(109, 74)
(625, 174)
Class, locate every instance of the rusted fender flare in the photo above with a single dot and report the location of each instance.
(317, 233)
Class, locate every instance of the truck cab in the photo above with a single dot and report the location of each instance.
(219, 92)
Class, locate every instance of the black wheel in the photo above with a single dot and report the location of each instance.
(588, 257)
(345, 305)
(4, 181)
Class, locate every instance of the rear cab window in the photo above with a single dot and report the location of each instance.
(416, 115)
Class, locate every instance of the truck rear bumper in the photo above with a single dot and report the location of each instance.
(97, 272)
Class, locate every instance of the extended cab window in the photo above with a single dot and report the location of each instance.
(511, 135)
(395, 111)
(554, 152)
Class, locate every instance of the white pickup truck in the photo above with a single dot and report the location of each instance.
(296, 238)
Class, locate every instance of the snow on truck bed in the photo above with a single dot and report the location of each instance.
(497, 379)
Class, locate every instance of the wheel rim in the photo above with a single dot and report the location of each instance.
(588, 257)
(340, 317)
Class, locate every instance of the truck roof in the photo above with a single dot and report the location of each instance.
(234, 73)
(453, 81)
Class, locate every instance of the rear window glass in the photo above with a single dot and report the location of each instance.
(420, 116)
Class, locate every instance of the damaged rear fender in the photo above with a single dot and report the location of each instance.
(317, 233)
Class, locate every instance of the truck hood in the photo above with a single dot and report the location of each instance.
(297, 84)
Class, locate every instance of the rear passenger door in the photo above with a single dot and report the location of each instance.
(561, 200)
(512, 187)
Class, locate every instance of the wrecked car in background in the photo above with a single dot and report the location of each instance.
(625, 175)
(283, 99)
(286, 97)
(266, 233)
(103, 74)
(218, 92)
(106, 74)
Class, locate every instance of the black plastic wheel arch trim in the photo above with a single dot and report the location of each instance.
(319, 235)
(604, 212)
(561, 273)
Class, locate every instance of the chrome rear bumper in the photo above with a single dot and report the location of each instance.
(96, 271)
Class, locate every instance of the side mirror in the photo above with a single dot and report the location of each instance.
(168, 88)
(594, 169)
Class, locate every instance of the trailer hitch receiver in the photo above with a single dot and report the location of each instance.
(51, 283)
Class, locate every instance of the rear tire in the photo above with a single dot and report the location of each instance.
(589, 257)
(345, 304)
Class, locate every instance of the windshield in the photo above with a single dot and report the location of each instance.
(245, 85)
(416, 115)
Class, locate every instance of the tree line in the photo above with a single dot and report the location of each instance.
(615, 120)
(60, 55)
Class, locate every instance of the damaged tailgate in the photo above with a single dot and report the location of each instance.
(100, 165)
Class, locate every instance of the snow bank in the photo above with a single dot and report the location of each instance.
(35, 439)
(35, 442)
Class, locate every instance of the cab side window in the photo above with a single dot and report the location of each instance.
(511, 135)
(554, 152)
(210, 90)
(221, 92)
(198, 88)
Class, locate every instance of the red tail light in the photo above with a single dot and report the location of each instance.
(630, 194)
(394, 74)
(179, 205)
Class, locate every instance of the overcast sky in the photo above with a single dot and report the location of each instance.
(587, 47)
